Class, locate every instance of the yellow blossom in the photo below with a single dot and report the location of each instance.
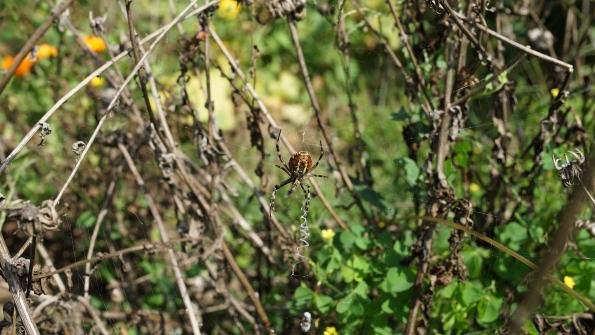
(568, 281)
(327, 234)
(95, 43)
(330, 331)
(474, 188)
(45, 51)
(228, 9)
(555, 92)
(97, 82)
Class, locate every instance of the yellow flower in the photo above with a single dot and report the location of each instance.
(474, 188)
(95, 43)
(568, 281)
(228, 9)
(97, 82)
(330, 331)
(45, 51)
(327, 234)
(555, 92)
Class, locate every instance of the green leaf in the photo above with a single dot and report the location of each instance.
(335, 263)
(530, 328)
(372, 197)
(346, 240)
(303, 296)
(86, 220)
(449, 290)
(387, 306)
(155, 300)
(357, 307)
(400, 248)
(382, 330)
(410, 168)
(400, 115)
(323, 303)
(396, 280)
(503, 78)
(348, 274)
(344, 304)
(471, 293)
(363, 242)
(513, 235)
(361, 289)
(473, 261)
(489, 309)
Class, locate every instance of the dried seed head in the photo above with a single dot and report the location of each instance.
(44, 283)
(78, 147)
(281, 8)
(44, 130)
(569, 169)
(29, 212)
(48, 216)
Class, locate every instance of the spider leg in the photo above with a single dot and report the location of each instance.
(274, 195)
(303, 188)
(578, 155)
(319, 158)
(284, 168)
(279, 151)
(294, 185)
(556, 162)
(283, 183)
(317, 175)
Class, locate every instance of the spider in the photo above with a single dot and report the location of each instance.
(570, 170)
(299, 167)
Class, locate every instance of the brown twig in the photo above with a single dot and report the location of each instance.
(318, 112)
(524, 48)
(18, 295)
(142, 72)
(555, 250)
(342, 44)
(145, 247)
(421, 83)
(191, 310)
(248, 287)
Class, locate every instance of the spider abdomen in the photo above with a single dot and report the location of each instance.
(300, 163)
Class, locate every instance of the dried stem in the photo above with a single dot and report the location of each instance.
(191, 310)
(16, 291)
(272, 122)
(318, 112)
(555, 250)
(248, 287)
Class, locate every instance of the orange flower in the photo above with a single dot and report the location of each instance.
(23, 69)
(95, 43)
(46, 51)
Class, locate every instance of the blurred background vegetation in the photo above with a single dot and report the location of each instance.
(359, 280)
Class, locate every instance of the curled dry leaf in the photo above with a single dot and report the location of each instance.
(45, 284)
